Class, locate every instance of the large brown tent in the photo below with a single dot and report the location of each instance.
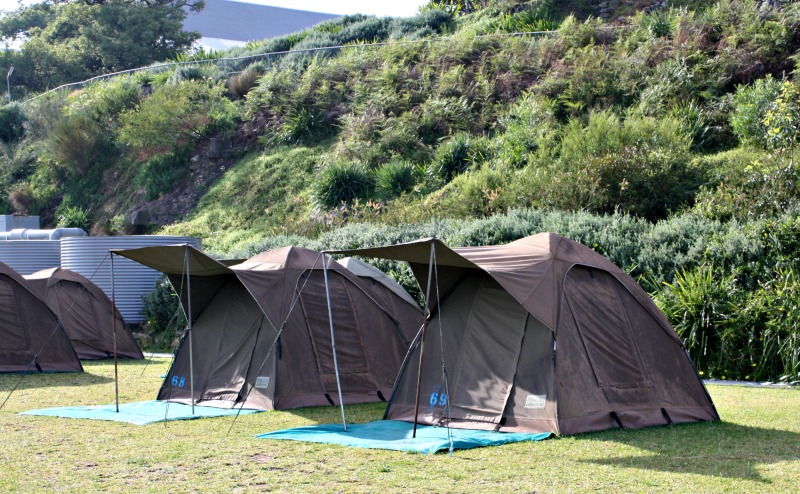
(31, 337)
(540, 335)
(86, 313)
(260, 335)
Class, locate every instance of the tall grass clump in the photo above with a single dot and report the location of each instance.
(341, 183)
(395, 179)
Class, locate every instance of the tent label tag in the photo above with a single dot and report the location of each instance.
(262, 382)
(535, 401)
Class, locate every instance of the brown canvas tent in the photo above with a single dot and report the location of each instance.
(540, 335)
(260, 336)
(85, 311)
(31, 337)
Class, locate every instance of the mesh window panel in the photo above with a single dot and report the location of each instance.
(604, 328)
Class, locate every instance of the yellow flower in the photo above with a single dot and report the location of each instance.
(701, 373)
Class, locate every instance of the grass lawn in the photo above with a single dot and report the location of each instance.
(755, 448)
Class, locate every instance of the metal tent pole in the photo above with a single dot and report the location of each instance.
(333, 339)
(114, 331)
(426, 315)
(189, 324)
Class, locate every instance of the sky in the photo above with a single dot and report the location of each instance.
(394, 8)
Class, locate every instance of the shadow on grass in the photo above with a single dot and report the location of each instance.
(9, 382)
(356, 414)
(719, 449)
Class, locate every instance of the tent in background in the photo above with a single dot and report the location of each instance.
(31, 337)
(540, 335)
(85, 312)
(260, 335)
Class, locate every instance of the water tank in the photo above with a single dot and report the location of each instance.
(9, 222)
(29, 256)
(89, 256)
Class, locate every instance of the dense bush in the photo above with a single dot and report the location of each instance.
(176, 115)
(11, 119)
(639, 166)
(750, 106)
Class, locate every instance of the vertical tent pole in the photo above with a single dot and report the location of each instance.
(426, 315)
(189, 324)
(114, 331)
(333, 339)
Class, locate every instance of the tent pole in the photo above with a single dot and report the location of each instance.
(426, 315)
(189, 325)
(333, 339)
(114, 331)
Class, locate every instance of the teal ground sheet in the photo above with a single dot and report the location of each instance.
(139, 413)
(397, 435)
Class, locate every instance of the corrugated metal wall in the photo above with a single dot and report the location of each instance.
(29, 256)
(89, 256)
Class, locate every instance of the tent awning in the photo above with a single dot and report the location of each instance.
(171, 260)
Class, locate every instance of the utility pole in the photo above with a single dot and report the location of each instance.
(8, 83)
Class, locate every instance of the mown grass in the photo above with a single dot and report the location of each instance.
(755, 448)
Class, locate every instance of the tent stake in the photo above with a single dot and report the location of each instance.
(333, 339)
(114, 331)
(426, 315)
(189, 326)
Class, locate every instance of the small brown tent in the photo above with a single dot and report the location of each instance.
(260, 334)
(541, 335)
(31, 337)
(85, 311)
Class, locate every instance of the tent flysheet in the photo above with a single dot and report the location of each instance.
(139, 413)
(397, 435)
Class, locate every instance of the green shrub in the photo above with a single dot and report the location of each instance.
(780, 340)
(529, 133)
(159, 174)
(195, 73)
(303, 125)
(700, 304)
(455, 156)
(73, 217)
(103, 101)
(177, 115)
(763, 189)
(12, 119)
(165, 320)
(342, 183)
(539, 19)
(750, 106)
(640, 166)
(783, 121)
(395, 179)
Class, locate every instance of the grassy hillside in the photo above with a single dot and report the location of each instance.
(662, 135)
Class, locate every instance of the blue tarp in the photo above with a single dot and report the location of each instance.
(396, 435)
(139, 413)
